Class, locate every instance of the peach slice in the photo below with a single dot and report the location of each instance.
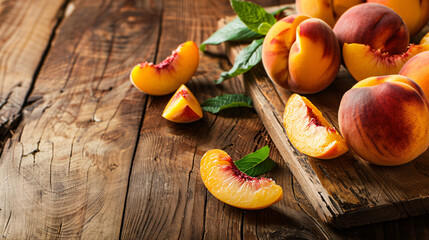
(167, 76)
(309, 132)
(233, 187)
(362, 61)
(183, 107)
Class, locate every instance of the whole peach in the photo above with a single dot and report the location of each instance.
(415, 13)
(301, 54)
(385, 120)
(417, 69)
(375, 25)
(327, 10)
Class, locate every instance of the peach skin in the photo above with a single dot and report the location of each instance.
(165, 77)
(183, 107)
(415, 13)
(385, 119)
(417, 69)
(228, 184)
(309, 132)
(301, 54)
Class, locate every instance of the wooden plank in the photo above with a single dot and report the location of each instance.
(345, 191)
(65, 172)
(25, 30)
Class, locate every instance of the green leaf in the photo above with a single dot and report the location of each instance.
(214, 105)
(236, 30)
(252, 14)
(256, 163)
(246, 59)
(263, 28)
(280, 10)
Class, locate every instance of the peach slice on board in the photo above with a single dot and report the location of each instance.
(309, 132)
(167, 76)
(183, 107)
(233, 187)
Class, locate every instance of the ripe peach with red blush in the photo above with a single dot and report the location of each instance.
(417, 69)
(374, 41)
(301, 54)
(385, 120)
(165, 77)
(415, 13)
(327, 10)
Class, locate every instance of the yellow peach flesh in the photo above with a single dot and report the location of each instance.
(362, 61)
(229, 185)
(167, 76)
(183, 107)
(309, 132)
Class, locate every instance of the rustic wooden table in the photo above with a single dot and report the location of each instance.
(86, 155)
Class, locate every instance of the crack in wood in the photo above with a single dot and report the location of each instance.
(4, 235)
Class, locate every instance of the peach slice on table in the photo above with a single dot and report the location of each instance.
(167, 76)
(183, 107)
(309, 132)
(233, 187)
(362, 61)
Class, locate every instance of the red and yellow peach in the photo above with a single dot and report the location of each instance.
(301, 54)
(415, 13)
(374, 41)
(385, 119)
(417, 69)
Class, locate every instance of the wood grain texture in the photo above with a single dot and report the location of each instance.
(345, 191)
(25, 31)
(64, 174)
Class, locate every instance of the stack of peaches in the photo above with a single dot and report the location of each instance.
(384, 117)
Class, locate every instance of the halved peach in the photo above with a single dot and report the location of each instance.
(183, 107)
(363, 61)
(233, 187)
(167, 76)
(309, 132)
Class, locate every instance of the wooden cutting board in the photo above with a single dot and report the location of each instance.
(345, 191)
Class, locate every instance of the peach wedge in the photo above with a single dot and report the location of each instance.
(309, 132)
(165, 77)
(183, 107)
(233, 187)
